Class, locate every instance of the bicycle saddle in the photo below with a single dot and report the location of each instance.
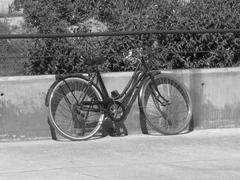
(95, 60)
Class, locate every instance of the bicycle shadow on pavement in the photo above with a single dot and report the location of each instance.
(114, 128)
(148, 131)
(56, 137)
(108, 128)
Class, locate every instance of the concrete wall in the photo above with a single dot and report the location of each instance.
(215, 95)
(214, 92)
(22, 111)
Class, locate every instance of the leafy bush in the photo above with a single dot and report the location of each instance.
(11, 48)
(214, 50)
(167, 51)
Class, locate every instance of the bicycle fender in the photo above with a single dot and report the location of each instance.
(158, 74)
(140, 95)
(59, 78)
(142, 116)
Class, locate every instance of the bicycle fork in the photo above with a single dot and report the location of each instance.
(157, 95)
(158, 98)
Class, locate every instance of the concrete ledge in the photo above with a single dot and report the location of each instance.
(215, 94)
(23, 114)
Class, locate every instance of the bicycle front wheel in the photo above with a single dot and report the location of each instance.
(170, 111)
(66, 114)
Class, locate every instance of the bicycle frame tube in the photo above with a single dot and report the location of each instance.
(133, 92)
(131, 85)
(104, 92)
(132, 89)
(106, 98)
(128, 95)
(102, 85)
(133, 80)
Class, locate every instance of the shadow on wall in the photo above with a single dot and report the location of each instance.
(214, 117)
(21, 122)
(215, 104)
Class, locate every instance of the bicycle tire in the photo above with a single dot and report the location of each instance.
(170, 119)
(68, 121)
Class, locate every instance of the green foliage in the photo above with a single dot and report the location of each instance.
(11, 48)
(206, 14)
(167, 51)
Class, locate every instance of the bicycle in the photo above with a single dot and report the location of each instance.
(79, 104)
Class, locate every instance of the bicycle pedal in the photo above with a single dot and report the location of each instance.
(115, 94)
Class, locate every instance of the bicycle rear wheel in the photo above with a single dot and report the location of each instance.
(171, 113)
(66, 114)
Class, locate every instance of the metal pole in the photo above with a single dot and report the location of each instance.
(32, 36)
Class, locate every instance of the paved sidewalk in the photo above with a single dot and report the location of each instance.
(201, 154)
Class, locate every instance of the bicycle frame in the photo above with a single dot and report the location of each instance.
(130, 92)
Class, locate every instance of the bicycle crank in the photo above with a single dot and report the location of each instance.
(116, 111)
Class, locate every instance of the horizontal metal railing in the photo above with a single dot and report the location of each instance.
(95, 34)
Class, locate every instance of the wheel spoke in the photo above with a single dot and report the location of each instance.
(65, 113)
(169, 118)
